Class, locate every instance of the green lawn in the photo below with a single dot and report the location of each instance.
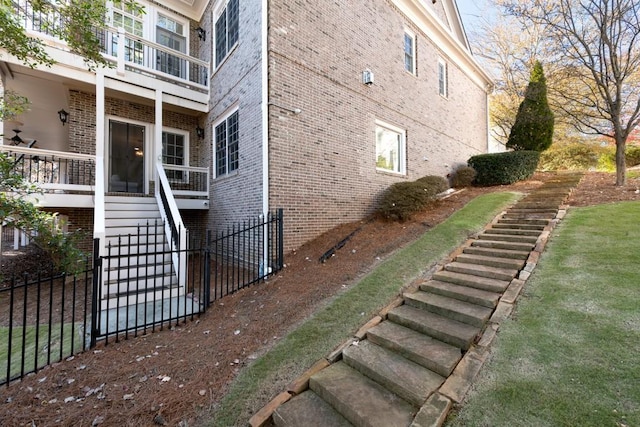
(43, 351)
(570, 356)
(335, 323)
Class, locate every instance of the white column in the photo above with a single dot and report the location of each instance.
(156, 151)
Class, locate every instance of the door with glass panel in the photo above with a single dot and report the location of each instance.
(126, 157)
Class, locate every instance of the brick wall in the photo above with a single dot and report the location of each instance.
(237, 84)
(322, 161)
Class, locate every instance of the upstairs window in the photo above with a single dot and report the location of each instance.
(226, 144)
(170, 33)
(443, 78)
(410, 52)
(227, 29)
(390, 148)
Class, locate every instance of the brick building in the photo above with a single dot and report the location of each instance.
(311, 106)
(335, 101)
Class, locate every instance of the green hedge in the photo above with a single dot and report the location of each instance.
(574, 156)
(504, 168)
(402, 199)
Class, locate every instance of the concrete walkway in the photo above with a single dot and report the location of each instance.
(410, 364)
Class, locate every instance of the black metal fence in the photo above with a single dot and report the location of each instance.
(45, 320)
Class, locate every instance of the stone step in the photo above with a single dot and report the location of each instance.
(497, 244)
(431, 353)
(493, 261)
(452, 308)
(514, 231)
(533, 221)
(410, 381)
(483, 283)
(360, 400)
(462, 293)
(497, 253)
(309, 410)
(528, 215)
(441, 328)
(482, 270)
(525, 210)
(514, 226)
(487, 235)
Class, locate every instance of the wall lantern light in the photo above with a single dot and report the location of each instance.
(202, 33)
(63, 116)
(200, 132)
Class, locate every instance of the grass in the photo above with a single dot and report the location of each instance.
(28, 350)
(569, 357)
(337, 321)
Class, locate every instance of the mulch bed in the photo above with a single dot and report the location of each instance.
(176, 375)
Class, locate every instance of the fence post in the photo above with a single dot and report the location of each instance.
(97, 272)
(207, 270)
(280, 238)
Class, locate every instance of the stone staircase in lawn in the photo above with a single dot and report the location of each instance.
(420, 356)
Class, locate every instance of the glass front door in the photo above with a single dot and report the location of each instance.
(126, 157)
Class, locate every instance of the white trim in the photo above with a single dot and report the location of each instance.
(187, 143)
(443, 68)
(441, 37)
(402, 155)
(414, 39)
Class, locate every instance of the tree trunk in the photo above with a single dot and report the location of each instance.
(621, 165)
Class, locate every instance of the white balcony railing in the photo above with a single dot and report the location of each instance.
(133, 53)
(144, 56)
(53, 170)
(187, 180)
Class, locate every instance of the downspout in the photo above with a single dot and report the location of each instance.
(265, 109)
(266, 269)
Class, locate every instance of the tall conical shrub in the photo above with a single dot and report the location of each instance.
(533, 127)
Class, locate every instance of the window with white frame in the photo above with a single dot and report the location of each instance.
(226, 133)
(227, 25)
(443, 78)
(170, 33)
(131, 20)
(390, 148)
(175, 151)
(410, 52)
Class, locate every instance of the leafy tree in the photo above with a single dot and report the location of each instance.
(43, 228)
(598, 47)
(533, 127)
(77, 22)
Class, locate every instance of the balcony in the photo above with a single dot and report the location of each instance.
(135, 61)
(69, 179)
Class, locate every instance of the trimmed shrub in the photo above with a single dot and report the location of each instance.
(574, 156)
(504, 168)
(433, 185)
(632, 155)
(463, 177)
(401, 200)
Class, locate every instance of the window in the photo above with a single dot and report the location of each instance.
(130, 19)
(226, 30)
(443, 79)
(390, 148)
(174, 152)
(226, 144)
(170, 33)
(410, 52)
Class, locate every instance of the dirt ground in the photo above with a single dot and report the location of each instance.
(173, 376)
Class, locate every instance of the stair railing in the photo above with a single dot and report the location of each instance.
(174, 228)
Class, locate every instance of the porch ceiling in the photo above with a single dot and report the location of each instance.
(190, 8)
